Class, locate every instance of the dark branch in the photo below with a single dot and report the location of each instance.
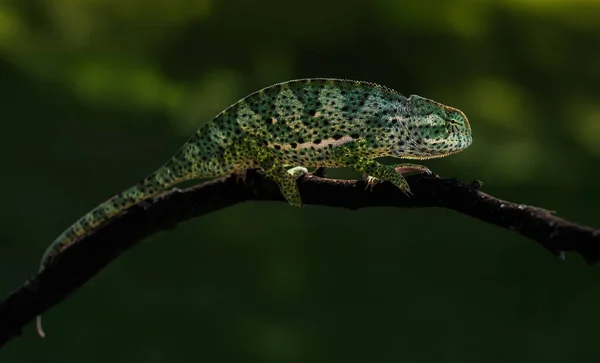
(79, 262)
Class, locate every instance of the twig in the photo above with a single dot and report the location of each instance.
(91, 253)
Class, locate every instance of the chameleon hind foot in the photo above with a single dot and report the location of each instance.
(255, 150)
(297, 171)
(289, 189)
(286, 180)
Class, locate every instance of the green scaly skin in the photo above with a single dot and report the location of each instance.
(301, 123)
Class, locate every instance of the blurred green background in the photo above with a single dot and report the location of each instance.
(95, 94)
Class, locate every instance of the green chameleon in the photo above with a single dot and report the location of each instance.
(302, 123)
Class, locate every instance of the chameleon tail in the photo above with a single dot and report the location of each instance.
(170, 174)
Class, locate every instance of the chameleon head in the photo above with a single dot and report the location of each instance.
(436, 130)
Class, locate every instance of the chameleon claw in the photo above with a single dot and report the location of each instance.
(371, 181)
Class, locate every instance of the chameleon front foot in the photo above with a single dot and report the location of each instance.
(400, 169)
(354, 155)
(389, 173)
(376, 173)
(371, 181)
(412, 168)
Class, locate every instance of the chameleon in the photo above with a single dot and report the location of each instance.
(318, 122)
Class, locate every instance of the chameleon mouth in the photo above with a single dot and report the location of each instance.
(465, 142)
(466, 120)
(427, 157)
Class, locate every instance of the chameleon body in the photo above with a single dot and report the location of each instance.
(301, 123)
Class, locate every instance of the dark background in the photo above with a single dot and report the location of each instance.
(96, 94)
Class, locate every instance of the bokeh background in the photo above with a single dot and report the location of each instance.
(95, 94)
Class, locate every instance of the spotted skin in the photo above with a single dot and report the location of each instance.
(301, 123)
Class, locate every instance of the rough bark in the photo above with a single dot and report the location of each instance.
(78, 262)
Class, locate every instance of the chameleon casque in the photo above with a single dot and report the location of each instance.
(301, 123)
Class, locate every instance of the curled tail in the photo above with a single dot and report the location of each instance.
(167, 176)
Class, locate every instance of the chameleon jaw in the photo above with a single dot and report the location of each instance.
(428, 157)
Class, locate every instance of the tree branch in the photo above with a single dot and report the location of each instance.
(80, 261)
